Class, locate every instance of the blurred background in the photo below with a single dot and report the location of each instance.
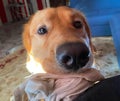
(103, 17)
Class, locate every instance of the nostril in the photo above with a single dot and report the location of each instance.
(84, 54)
(83, 58)
(67, 60)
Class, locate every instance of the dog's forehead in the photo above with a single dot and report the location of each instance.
(53, 13)
(55, 17)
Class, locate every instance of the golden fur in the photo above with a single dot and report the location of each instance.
(42, 48)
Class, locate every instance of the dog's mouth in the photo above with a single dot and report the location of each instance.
(73, 56)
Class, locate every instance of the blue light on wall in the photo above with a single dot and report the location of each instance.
(98, 13)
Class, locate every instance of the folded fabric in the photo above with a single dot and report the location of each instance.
(52, 87)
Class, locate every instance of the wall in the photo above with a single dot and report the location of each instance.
(23, 11)
(8, 14)
(98, 13)
(2, 12)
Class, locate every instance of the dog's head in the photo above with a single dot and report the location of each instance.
(59, 40)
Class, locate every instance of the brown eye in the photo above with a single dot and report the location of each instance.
(77, 24)
(42, 30)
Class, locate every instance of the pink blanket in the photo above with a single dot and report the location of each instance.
(50, 87)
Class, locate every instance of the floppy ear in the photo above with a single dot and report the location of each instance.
(89, 34)
(26, 36)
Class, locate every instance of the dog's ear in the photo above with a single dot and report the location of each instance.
(26, 35)
(88, 33)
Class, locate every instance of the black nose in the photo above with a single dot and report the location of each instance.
(72, 55)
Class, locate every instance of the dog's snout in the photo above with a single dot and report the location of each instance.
(72, 55)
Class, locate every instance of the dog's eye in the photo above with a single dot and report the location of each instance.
(77, 24)
(42, 30)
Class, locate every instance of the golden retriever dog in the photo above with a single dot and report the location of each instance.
(58, 41)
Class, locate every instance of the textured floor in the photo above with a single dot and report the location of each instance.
(10, 37)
